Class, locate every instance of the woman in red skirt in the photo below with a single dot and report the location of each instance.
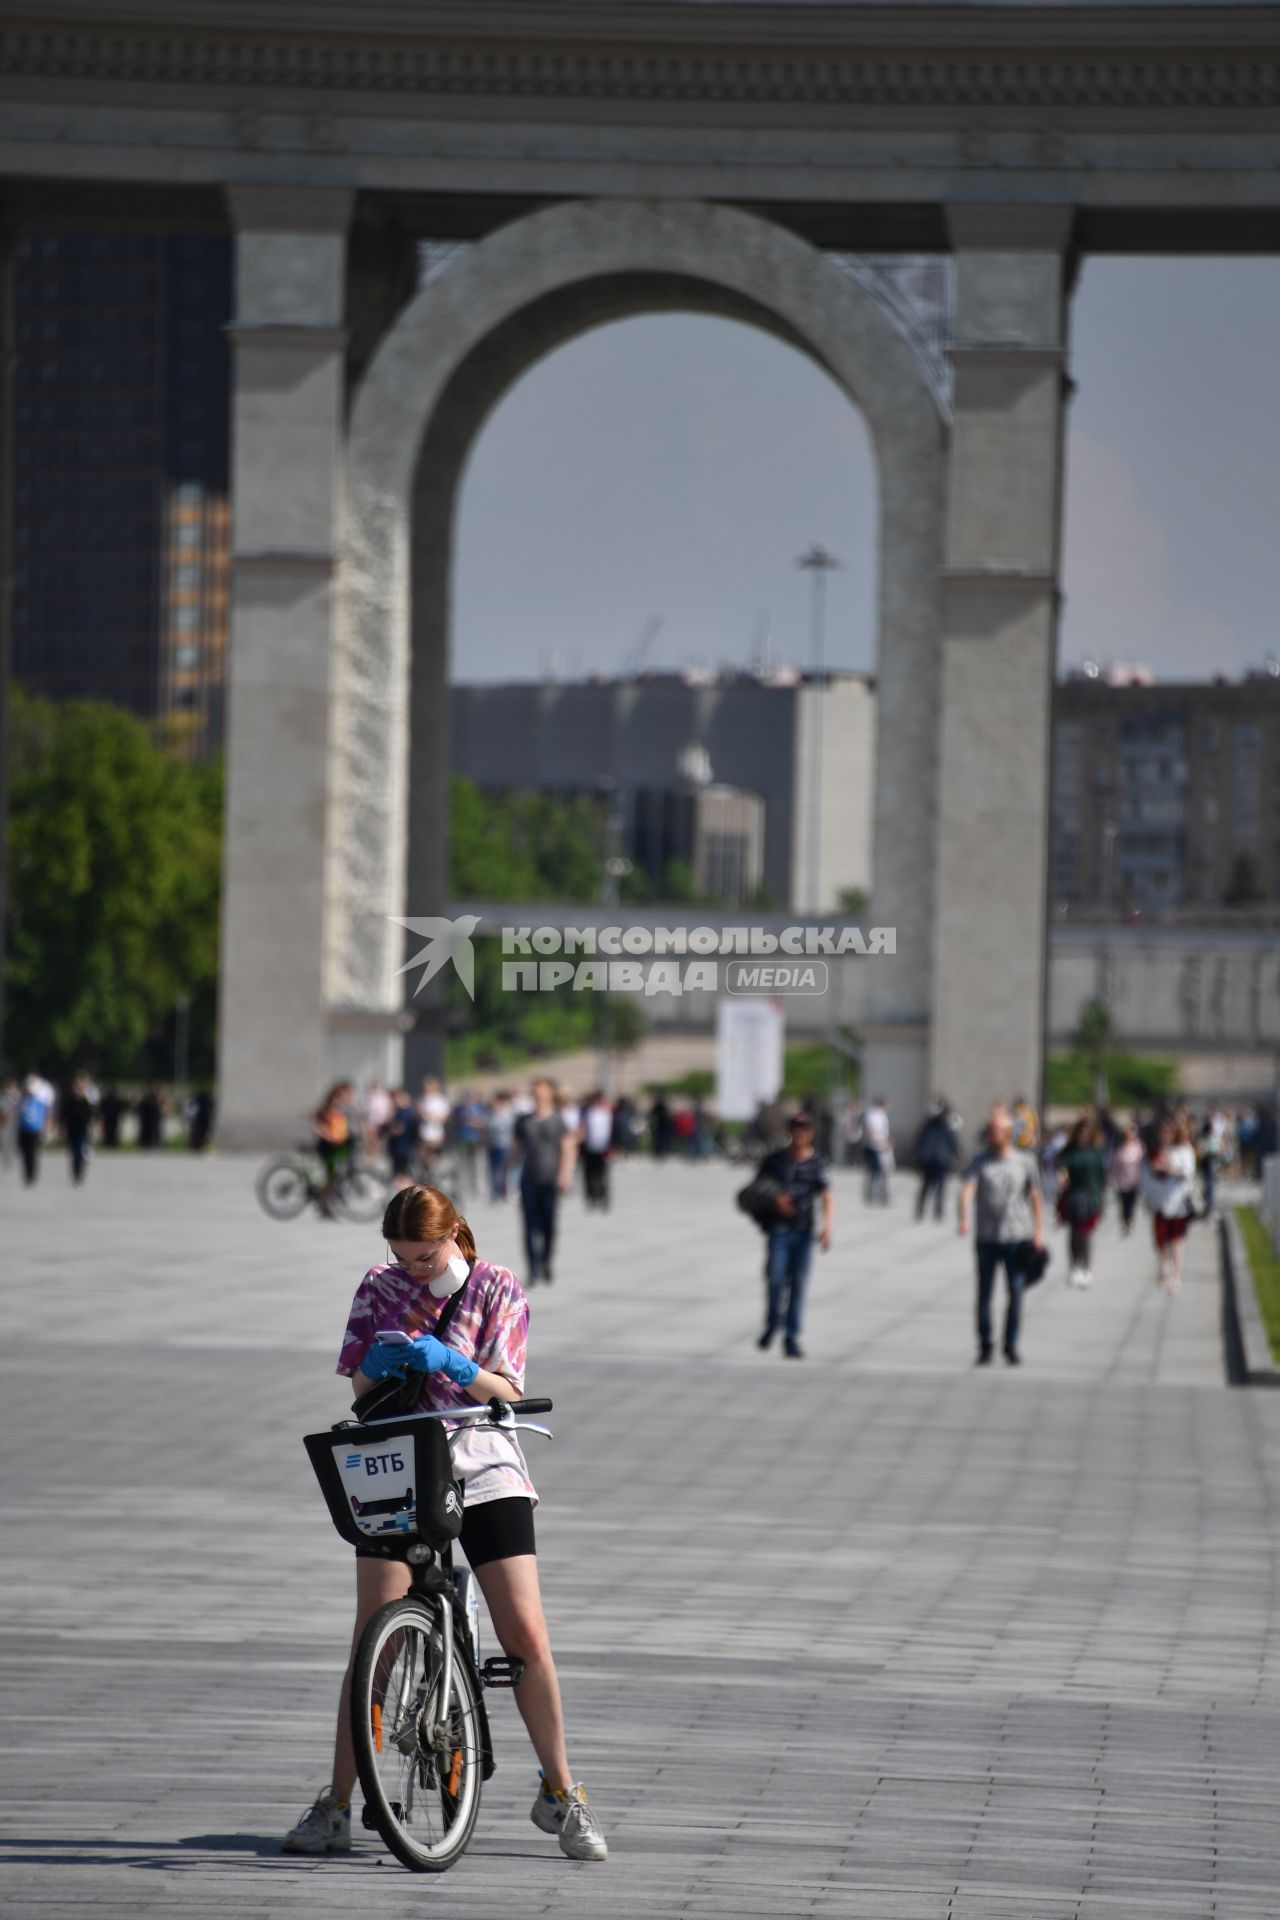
(1167, 1189)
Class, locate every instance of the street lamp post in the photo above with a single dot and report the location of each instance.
(614, 865)
(819, 563)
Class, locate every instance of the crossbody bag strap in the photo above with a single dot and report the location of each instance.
(447, 1312)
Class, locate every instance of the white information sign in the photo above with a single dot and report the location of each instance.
(749, 1039)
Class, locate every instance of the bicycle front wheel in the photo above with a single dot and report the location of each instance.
(419, 1757)
(360, 1195)
(283, 1188)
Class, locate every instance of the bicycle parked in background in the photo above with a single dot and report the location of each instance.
(418, 1720)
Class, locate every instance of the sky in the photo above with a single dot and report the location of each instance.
(673, 468)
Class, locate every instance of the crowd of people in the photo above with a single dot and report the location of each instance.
(530, 1143)
(1020, 1182)
(81, 1116)
(1170, 1162)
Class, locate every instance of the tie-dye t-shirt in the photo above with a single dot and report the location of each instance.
(490, 1325)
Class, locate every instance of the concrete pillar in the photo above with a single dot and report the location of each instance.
(7, 353)
(287, 431)
(999, 646)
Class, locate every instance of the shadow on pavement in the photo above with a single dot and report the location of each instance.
(212, 1849)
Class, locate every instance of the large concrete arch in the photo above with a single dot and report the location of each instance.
(450, 354)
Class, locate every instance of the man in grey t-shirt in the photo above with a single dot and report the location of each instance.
(1010, 1212)
(546, 1151)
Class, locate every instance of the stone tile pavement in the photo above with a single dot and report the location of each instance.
(872, 1635)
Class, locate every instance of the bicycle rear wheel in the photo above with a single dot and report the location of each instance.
(419, 1759)
(360, 1194)
(283, 1188)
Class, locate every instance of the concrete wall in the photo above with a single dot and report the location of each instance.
(1169, 988)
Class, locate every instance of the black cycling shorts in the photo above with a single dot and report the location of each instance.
(495, 1530)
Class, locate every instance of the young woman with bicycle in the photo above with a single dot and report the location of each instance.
(433, 1273)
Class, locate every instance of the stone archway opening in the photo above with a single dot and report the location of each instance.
(683, 462)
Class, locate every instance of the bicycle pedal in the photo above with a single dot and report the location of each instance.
(498, 1671)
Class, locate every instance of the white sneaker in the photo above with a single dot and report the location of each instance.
(1084, 1278)
(324, 1828)
(567, 1815)
(1073, 1277)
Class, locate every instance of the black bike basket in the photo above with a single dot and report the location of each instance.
(389, 1481)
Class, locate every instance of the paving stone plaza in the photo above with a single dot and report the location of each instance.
(870, 1635)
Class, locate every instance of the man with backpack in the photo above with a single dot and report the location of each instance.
(787, 1188)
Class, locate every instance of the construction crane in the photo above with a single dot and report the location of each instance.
(642, 643)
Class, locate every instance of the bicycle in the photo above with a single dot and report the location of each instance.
(418, 1720)
(287, 1185)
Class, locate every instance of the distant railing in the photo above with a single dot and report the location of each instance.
(1260, 919)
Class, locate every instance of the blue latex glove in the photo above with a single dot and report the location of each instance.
(382, 1359)
(426, 1354)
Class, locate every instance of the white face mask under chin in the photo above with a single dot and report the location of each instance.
(453, 1277)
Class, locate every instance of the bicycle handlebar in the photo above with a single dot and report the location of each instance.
(494, 1412)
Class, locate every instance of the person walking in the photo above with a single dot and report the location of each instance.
(624, 1125)
(546, 1150)
(151, 1112)
(1010, 1213)
(595, 1144)
(433, 1116)
(434, 1262)
(376, 1109)
(403, 1131)
(937, 1152)
(77, 1115)
(1168, 1189)
(1211, 1153)
(200, 1120)
(1125, 1173)
(661, 1127)
(33, 1119)
(1026, 1125)
(500, 1127)
(802, 1176)
(1082, 1180)
(466, 1124)
(877, 1148)
(115, 1108)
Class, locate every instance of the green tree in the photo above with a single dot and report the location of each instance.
(115, 860)
(525, 847)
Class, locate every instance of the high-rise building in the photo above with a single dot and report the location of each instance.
(760, 784)
(121, 389)
(1166, 796)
